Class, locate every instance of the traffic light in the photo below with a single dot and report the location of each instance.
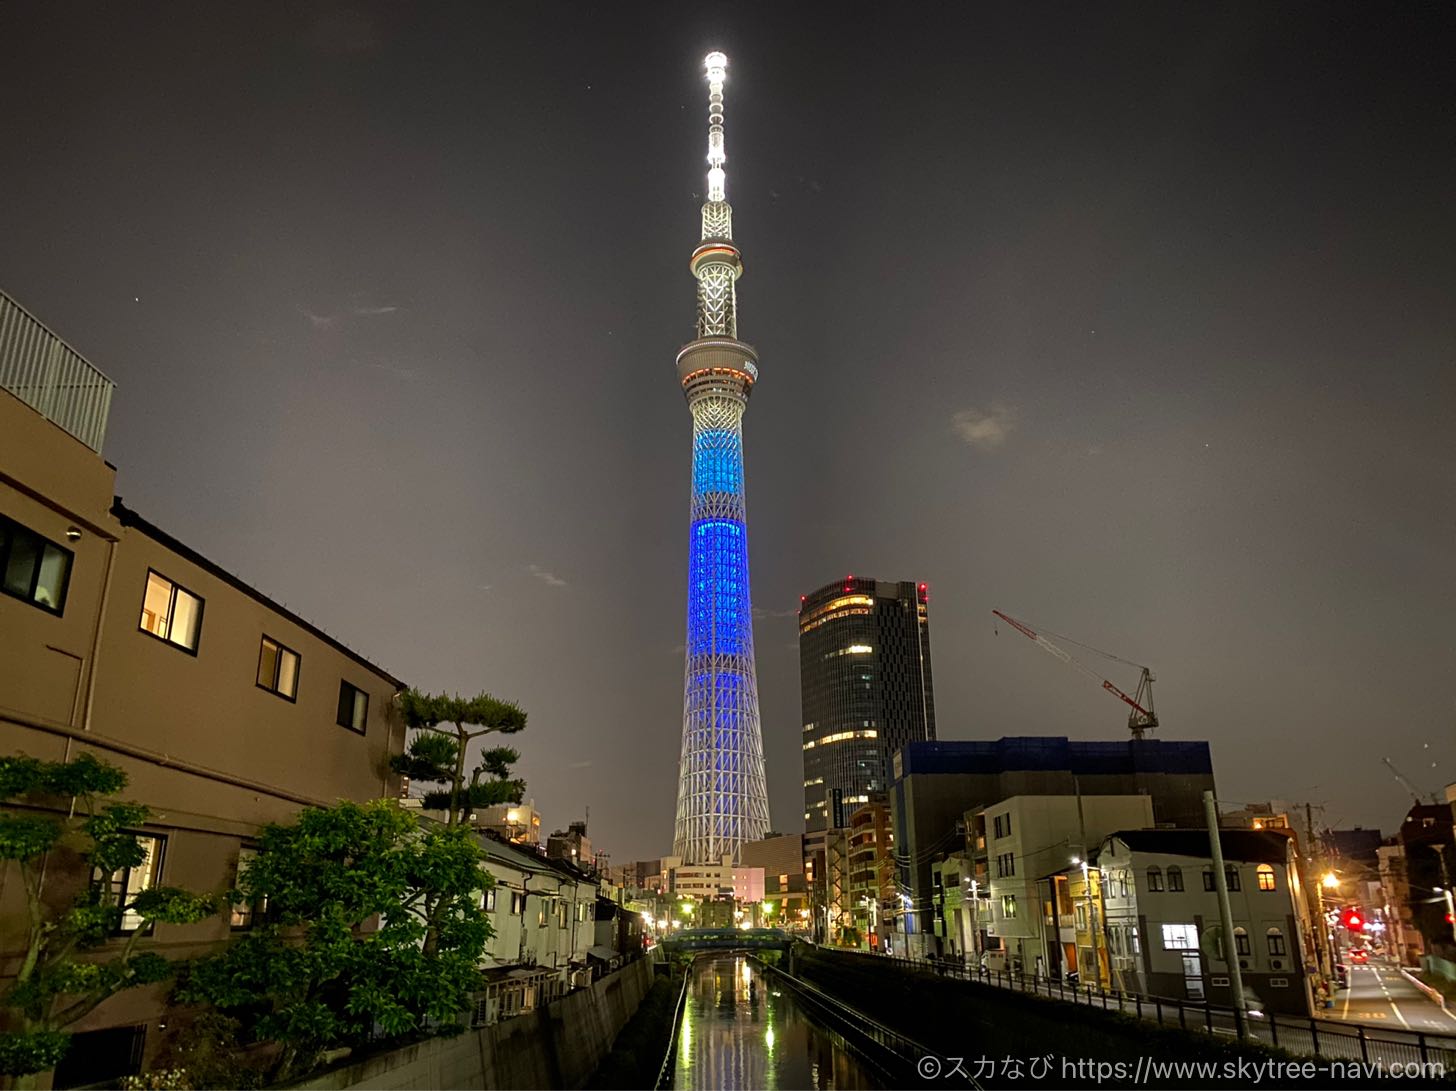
(1353, 921)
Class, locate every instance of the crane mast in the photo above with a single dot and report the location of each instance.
(1142, 718)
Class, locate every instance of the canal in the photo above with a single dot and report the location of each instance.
(740, 1029)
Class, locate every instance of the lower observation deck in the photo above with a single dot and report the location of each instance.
(717, 365)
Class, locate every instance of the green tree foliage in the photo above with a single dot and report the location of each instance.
(437, 754)
(317, 974)
(57, 820)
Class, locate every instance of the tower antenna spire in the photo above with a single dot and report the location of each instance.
(717, 66)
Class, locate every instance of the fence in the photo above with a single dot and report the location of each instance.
(51, 377)
(1297, 1034)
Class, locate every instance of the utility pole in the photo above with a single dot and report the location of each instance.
(1226, 915)
(1087, 883)
(1323, 945)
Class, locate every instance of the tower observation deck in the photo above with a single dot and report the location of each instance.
(722, 798)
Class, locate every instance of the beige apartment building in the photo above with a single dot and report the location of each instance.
(225, 709)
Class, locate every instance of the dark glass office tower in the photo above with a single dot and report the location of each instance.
(865, 690)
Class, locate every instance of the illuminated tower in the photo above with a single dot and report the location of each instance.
(722, 799)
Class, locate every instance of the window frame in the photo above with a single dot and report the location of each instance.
(1155, 879)
(278, 670)
(1263, 872)
(1174, 875)
(345, 684)
(158, 860)
(254, 911)
(487, 900)
(1274, 938)
(8, 533)
(171, 611)
(1008, 907)
(1186, 933)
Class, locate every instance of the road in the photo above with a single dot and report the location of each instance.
(1382, 996)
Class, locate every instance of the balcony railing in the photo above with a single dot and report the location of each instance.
(51, 377)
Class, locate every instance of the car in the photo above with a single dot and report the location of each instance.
(1359, 956)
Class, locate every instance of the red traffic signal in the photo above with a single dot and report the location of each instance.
(1353, 921)
(1450, 918)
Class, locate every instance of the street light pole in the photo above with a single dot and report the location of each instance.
(1226, 915)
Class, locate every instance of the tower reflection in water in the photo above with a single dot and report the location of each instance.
(739, 1030)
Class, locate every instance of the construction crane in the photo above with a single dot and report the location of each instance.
(1421, 801)
(1142, 717)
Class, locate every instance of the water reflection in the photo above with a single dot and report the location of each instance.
(740, 1030)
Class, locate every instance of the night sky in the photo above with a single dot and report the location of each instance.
(1135, 322)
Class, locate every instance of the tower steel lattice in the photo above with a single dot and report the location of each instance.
(722, 798)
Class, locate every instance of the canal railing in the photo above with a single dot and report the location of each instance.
(669, 1059)
(1326, 1038)
(894, 1054)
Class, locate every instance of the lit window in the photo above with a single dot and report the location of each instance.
(278, 669)
(353, 707)
(35, 570)
(122, 886)
(1266, 877)
(1180, 937)
(518, 903)
(487, 900)
(244, 914)
(171, 613)
(1008, 906)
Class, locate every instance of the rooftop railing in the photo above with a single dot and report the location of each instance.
(51, 377)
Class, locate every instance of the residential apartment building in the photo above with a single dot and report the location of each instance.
(869, 889)
(1163, 926)
(225, 709)
(544, 915)
(1030, 843)
(1403, 939)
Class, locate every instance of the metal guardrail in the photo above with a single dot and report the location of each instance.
(51, 377)
(669, 1059)
(1297, 1034)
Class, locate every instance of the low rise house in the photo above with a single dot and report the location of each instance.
(1162, 922)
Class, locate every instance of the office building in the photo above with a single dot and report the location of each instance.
(864, 690)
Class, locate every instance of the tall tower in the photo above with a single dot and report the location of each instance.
(722, 798)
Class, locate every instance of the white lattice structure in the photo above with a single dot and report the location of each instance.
(722, 798)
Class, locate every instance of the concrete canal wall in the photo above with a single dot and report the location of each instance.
(559, 1046)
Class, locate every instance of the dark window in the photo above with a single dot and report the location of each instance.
(278, 669)
(1155, 879)
(1175, 878)
(1276, 942)
(487, 900)
(171, 613)
(33, 569)
(1207, 878)
(353, 707)
(1241, 942)
(1232, 875)
(518, 903)
(101, 1057)
(124, 884)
